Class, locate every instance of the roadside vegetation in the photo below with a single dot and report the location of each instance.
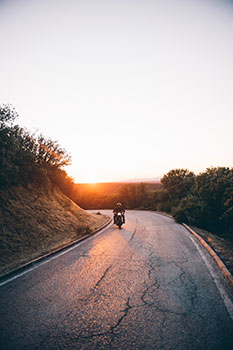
(204, 200)
(36, 214)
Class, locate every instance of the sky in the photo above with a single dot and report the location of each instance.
(130, 88)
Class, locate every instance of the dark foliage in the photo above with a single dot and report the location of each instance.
(207, 201)
(133, 196)
(176, 184)
(25, 159)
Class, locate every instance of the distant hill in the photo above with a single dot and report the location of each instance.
(144, 180)
(112, 187)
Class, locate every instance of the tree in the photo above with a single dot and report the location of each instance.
(24, 158)
(7, 116)
(13, 157)
(177, 183)
(131, 195)
(191, 210)
(49, 153)
(209, 202)
(142, 194)
(214, 188)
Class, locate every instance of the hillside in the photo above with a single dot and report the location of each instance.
(36, 221)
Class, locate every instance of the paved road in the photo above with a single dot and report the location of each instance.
(143, 287)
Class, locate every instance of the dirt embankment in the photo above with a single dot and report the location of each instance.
(222, 246)
(36, 221)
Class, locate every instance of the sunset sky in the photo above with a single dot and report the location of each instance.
(130, 88)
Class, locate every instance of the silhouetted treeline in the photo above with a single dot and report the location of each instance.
(105, 196)
(26, 159)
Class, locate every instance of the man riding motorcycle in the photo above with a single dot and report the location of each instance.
(117, 209)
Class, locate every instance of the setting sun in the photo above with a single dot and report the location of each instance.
(91, 181)
(87, 178)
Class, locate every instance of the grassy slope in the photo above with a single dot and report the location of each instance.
(34, 222)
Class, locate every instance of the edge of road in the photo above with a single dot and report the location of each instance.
(226, 273)
(36, 261)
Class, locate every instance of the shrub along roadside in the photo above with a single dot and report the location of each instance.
(208, 202)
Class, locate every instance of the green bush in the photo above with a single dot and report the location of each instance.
(191, 210)
(25, 159)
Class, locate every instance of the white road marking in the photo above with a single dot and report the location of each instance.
(52, 258)
(227, 301)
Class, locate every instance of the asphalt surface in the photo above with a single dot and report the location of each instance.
(146, 286)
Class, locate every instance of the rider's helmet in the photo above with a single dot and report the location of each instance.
(119, 205)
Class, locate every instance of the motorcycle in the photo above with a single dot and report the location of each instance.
(119, 220)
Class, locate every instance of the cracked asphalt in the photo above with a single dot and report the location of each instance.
(142, 287)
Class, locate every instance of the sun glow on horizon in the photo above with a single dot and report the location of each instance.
(89, 179)
(90, 182)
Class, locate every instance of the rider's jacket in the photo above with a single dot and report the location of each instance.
(119, 209)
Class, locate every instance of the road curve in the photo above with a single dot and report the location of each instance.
(148, 286)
